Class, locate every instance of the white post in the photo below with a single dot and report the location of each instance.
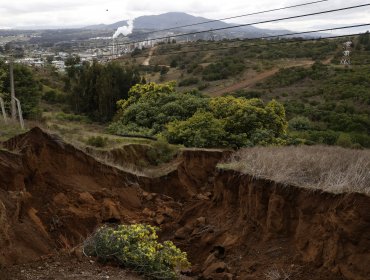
(21, 121)
(12, 102)
(3, 110)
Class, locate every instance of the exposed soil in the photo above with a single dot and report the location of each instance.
(246, 84)
(147, 60)
(52, 196)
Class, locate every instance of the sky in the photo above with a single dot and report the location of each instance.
(79, 13)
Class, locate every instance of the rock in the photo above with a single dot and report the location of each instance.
(210, 259)
(219, 251)
(77, 251)
(215, 268)
(228, 276)
(159, 219)
(110, 211)
(87, 198)
(201, 221)
(230, 240)
(168, 212)
(208, 194)
(61, 199)
(202, 196)
(182, 233)
(148, 212)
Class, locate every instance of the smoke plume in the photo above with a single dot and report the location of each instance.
(124, 30)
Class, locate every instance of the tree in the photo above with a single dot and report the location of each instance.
(27, 89)
(201, 130)
(248, 115)
(95, 88)
(152, 106)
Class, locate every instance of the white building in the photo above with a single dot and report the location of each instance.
(59, 65)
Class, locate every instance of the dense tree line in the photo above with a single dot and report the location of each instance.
(27, 89)
(95, 88)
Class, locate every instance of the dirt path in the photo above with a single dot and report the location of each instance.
(147, 60)
(66, 267)
(251, 82)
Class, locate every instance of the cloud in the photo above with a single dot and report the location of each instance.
(31, 13)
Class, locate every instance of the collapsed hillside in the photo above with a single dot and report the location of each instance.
(52, 196)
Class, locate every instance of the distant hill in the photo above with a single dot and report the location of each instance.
(174, 19)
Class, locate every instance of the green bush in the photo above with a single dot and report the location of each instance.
(203, 86)
(344, 140)
(161, 152)
(174, 63)
(247, 94)
(188, 82)
(136, 247)
(300, 123)
(228, 66)
(97, 141)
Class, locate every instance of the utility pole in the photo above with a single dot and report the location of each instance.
(12, 91)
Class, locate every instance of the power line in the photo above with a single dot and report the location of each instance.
(239, 16)
(243, 25)
(267, 43)
(294, 33)
(227, 18)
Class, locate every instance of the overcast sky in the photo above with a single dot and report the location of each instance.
(68, 13)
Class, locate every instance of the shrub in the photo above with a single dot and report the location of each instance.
(203, 86)
(161, 152)
(97, 141)
(188, 81)
(136, 247)
(247, 94)
(71, 117)
(174, 63)
(344, 140)
(300, 123)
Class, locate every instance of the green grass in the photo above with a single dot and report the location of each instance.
(8, 131)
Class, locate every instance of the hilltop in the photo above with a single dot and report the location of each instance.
(174, 19)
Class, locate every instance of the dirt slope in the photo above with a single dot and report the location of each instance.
(52, 196)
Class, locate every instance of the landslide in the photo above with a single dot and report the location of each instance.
(52, 195)
(258, 229)
(233, 226)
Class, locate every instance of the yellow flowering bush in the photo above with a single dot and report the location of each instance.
(136, 247)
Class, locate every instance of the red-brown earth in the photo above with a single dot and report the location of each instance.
(233, 226)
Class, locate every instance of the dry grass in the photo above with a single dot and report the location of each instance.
(277, 274)
(331, 169)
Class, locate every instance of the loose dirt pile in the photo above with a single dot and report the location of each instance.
(52, 196)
